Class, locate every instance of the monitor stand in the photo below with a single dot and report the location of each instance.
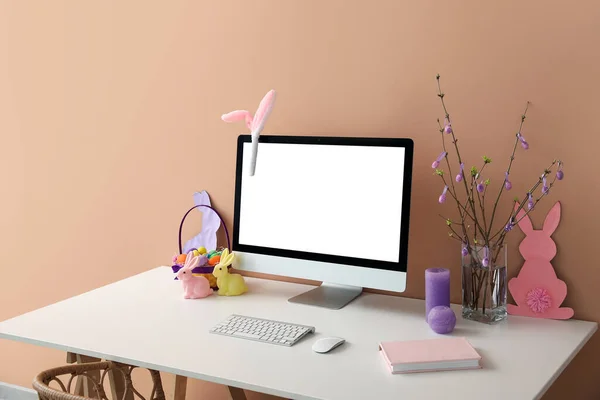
(328, 295)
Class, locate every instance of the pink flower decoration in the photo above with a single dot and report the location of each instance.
(539, 300)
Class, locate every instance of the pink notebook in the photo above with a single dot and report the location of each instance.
(429, 355)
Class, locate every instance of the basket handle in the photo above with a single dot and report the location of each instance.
(218, 215)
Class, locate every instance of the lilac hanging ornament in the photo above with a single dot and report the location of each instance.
(442, 197)
(464, 251)
(507, 184)
(530, 203)
(510, 225)
(460, 175)
(480, 187)
(436, 163)
(524, 143)
(486, 257)
(560, 174)
(447, 126)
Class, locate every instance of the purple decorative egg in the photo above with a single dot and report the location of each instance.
(441, 319)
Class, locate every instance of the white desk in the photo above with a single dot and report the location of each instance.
(159, 329)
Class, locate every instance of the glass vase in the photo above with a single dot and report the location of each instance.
(484, 284)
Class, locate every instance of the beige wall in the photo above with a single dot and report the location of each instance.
(109, 119)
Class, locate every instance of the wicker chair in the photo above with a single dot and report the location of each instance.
(93, 376)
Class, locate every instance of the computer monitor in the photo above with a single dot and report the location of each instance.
(330, 209)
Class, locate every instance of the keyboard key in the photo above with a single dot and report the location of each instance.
(246, 335)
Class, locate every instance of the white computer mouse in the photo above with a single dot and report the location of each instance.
(327, 344)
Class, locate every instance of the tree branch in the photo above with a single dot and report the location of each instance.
(512, 158)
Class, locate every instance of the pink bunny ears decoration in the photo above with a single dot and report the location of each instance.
(255, 123)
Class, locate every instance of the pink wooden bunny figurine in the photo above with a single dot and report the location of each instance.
(536, 289)
(194, 287)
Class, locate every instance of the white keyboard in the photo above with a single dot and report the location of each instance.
(262, 330)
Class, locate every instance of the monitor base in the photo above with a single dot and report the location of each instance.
(328, 295)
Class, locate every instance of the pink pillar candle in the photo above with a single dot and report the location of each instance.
(437, 288)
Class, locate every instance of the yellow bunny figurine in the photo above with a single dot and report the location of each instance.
(229, 284)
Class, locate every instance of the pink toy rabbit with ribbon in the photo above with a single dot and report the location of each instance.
(194, 287)
(536, 289)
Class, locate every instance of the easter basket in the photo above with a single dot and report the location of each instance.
(213, 255)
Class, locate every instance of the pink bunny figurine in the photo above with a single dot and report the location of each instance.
(536, 289)
(194, 287)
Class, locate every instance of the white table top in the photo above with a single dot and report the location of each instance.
(143, 320)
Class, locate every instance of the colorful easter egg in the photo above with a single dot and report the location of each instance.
(202, 250)
(181, 258)
(214, 260)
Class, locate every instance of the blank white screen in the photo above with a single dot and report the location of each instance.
(327, 199)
